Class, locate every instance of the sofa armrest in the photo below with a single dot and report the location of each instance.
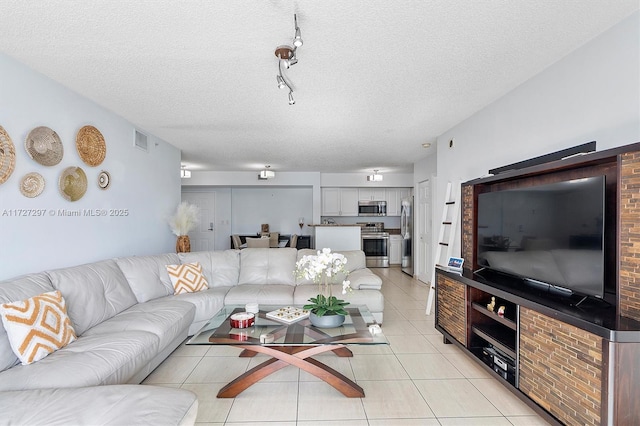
(364, 279)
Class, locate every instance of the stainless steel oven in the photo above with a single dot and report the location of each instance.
(375, 245)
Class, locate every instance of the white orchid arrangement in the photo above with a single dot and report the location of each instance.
(320, 269)
(185, 219)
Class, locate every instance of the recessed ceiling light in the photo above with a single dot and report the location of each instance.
(426, 145)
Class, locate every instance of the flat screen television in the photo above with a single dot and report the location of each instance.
(550, 236)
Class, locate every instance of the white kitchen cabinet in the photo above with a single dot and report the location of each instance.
(349, 202)
(339, 202)
(395, 249)
(394, 200)
(371, 194)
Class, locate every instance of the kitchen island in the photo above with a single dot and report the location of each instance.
(338, 237)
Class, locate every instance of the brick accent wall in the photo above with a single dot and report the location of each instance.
(468, 226)
(451, 307)
(629, 222)
(561, 368)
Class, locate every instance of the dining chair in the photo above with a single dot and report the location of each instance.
(294, 241)
(257, 242)
(237, 242)
(274, 238)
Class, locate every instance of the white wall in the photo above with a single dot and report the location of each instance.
(279, 207)
(591, 94)
(145, 184)
(396, 180)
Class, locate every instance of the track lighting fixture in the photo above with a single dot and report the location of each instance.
(287, 58)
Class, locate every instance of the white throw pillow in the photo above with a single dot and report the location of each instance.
(187, 278)
(37, 326)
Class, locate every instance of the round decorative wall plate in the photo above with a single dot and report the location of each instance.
(73, 183)
(32, 185)
(7, 156)
(44, 146)
(104, 179)
(91, 146)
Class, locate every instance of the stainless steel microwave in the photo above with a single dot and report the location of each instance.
(372, 208)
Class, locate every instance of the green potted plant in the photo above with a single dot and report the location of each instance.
(326, 309)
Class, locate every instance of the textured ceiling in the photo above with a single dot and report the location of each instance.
(375, 79)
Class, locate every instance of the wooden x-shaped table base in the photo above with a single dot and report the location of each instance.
(299, 356)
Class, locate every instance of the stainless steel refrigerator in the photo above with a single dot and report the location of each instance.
(406, 229)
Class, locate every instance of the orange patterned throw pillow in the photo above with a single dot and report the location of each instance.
(187, 278)
(37, 326)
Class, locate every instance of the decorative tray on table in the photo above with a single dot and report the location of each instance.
(288, 314)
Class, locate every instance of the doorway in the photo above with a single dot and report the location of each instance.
(204, 236)
(423, 261)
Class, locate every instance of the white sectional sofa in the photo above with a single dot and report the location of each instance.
(128, 320)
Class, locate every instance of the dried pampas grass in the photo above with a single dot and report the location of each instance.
(185, 219)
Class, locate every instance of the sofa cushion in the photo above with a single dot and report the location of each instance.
(19, 288)
(103, 359)
(271, 294)
(268, 266)
(221, 268)
(187, 278)
(147, 275)
(167, 318)
(94, 292)
(37, 326)
(105, 405)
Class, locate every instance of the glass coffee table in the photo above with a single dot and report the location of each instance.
(291, 344)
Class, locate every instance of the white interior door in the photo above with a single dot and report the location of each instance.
(203, 237)
(423, 221)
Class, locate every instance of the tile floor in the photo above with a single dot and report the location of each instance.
(419, 381)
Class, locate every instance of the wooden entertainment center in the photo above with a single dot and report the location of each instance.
(575, 365)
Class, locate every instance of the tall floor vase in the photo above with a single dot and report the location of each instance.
(183, 245)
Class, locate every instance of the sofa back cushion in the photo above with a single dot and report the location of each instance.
(355, 261)
(221, 268)
(147, 275)
(12, 290)
(268, 266)
(93, 292)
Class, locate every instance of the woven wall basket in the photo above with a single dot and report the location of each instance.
(91, 146)
(7, 156)
(32, 185)
(44, 146)
(73, 183)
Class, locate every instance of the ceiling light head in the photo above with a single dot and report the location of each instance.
(291, 100)
(375, 177)
(297, 40)
(281, 83)
(426, 145)
(266, 173)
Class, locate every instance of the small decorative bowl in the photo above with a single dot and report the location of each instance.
(242, 320)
